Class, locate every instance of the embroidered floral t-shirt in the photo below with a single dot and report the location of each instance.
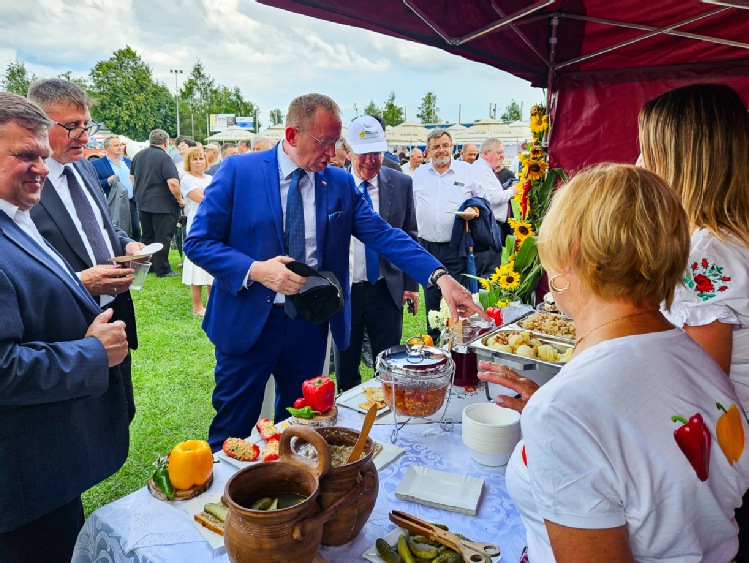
(715, 287)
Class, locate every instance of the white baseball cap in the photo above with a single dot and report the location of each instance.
(365, 135)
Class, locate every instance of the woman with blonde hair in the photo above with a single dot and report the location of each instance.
(192, 186)
(616, 463)
(697, 139)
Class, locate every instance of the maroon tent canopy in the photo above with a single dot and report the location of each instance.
(600, 59)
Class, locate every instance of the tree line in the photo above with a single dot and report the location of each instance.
(129, 101)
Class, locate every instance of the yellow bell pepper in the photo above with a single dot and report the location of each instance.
(190, 464)
(730, 433)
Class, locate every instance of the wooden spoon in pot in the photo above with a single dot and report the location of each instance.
(366, 427)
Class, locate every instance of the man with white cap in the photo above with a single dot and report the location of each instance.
(379, 289)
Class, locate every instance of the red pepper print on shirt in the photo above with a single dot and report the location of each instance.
(706, 279)
(694, 440)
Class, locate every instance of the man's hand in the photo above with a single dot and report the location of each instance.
(274, 275)
(459, 299)
(111, 335)
(414, 297)
(107, 280)
(134, 248)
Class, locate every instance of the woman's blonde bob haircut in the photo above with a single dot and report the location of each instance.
(697, 139)
(188, 158)
(621, 230)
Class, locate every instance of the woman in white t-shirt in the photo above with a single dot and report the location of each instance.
(192, 186)
(626, 455)
(697, 139)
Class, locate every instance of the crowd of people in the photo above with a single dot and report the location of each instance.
(651, 264)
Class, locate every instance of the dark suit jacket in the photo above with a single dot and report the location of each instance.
(239, 221)
(104, 170)
(63, 412)
(54, 222)
(397, 208)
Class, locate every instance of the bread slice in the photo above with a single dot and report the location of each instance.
(211, 522)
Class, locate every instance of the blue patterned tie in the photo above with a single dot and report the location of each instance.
(371, 258)
(87, 218)
(294, 232)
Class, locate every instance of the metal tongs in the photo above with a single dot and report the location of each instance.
(470, 550)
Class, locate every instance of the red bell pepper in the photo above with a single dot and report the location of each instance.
(494, 314)
(319, 393)
(695, 440)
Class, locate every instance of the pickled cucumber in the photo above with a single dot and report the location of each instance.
(217, 510)
(422, 550)
(388, 553)
(262, 504)
(403, 550)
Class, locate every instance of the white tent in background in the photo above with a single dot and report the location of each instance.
(407, 133)
(482, 130)
(232, 133)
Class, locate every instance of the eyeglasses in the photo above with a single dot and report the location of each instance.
(90, 129)
(323, 144)
(444, 146)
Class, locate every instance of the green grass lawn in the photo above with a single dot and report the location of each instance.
(173, 381)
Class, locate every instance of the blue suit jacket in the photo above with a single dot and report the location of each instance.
(240, 221)
(104, 170)
(63, 412)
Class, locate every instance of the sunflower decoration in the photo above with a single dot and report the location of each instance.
(535, 169)
(522, 229)
(536, 153)
(509, 280)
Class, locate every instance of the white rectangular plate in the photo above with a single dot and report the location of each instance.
(356, 396)
(449, 491)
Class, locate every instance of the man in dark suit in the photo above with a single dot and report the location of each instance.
(262, 211)
(115, 165)
(379, 289)
(72, 214)
(63, 400)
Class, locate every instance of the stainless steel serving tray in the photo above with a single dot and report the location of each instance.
(546, 335)
(513, 361)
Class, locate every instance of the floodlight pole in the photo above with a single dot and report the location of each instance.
(176, 71)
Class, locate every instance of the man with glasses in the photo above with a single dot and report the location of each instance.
(73, 215)
(378, 289)
(440, 187)
(262, 211)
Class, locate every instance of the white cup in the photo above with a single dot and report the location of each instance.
(490, 432)
(139, 274)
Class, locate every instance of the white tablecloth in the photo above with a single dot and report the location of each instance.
(173, 537)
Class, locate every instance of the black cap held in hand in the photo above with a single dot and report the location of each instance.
(318, 299)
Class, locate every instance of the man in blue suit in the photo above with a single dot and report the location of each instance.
(378, 289)
(63, 401)
(240, 235)
(114, 164)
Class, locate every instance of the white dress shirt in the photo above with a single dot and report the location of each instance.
(60, 183)
(437, 195)
(484, 176)
(307, 188)
(26, 224)
(406, 169)
(357, 254)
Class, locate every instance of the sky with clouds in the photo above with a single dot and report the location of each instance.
(270, 54)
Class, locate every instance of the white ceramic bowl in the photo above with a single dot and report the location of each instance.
(490, 432)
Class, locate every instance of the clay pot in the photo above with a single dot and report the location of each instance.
(356, 482)
(291, 534)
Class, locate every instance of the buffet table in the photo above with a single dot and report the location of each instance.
(139, 528)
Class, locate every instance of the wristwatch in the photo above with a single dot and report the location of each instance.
(436, 275)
